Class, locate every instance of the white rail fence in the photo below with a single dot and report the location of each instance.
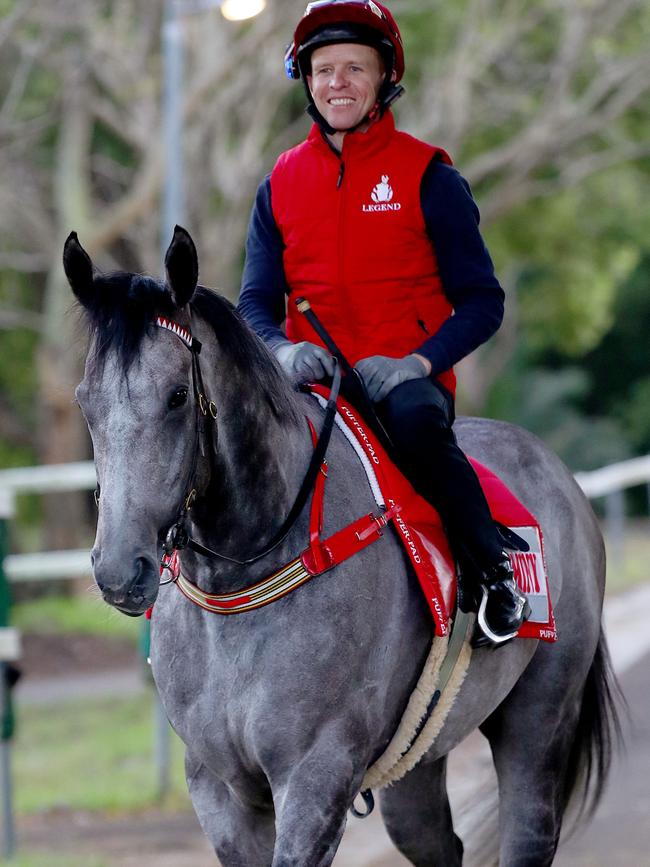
(62, 478)
(608, 482)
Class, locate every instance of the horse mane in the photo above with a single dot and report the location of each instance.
(246, 351)
(123, 310)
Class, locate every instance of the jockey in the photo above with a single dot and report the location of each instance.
(379, 232)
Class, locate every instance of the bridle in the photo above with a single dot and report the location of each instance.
(177, 536)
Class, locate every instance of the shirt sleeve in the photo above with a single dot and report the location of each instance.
(262, 297)
(466, 269)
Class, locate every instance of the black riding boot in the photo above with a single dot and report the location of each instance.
(418, 416)
(503, 607)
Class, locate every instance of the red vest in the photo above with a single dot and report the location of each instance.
(355, 242)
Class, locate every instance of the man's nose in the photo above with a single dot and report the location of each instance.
(338, 79)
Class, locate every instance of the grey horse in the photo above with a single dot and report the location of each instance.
(282, 709)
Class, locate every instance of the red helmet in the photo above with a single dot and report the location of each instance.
(330, 21)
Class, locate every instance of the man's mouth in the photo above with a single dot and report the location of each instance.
(341, 101)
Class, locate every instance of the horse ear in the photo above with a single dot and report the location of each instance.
(182, 266)
(78, 269)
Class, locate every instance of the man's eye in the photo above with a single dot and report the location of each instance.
(178, 398)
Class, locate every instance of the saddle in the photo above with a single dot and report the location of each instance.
(419, 528)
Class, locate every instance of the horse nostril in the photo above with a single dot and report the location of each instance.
(142, 571)
(126, 588)
(138, 585)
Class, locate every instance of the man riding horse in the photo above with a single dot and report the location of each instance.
(380, 233)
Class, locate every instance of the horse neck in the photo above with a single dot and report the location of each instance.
(257, 467)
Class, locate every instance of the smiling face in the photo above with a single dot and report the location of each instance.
(344, 82)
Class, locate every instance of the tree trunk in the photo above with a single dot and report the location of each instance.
(62, 432)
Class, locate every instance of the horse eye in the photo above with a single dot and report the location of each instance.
(178, 398)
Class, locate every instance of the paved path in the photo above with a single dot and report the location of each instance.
(619, 835)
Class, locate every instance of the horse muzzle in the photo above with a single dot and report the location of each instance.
(132, 591)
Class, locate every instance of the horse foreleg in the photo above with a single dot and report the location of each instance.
(242, 835)
(311, 808)
(418, 818)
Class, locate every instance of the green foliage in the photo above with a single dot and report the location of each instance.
(91, 755)
(565, 252)
(17, 456)
(427, 30)
(18, 380)
(108, 143)
(634, 413)
(18, 345)
(569, 254)
(18, 386)
(547, 402)
(620, 365)
(43, 90)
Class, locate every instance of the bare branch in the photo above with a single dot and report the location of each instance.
(11, 21)
(140, 200)
(17, 87)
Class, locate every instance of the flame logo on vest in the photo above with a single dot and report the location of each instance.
(382, 195)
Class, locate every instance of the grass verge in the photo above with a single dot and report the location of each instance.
(35, 860)
(92, 755)
(86, 615)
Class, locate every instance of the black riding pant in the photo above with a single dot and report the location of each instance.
(418, 416)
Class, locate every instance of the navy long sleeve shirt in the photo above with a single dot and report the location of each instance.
(466, 270)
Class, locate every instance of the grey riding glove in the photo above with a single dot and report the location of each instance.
(304, 362)
(381, 374)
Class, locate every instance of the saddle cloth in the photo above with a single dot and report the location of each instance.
(420, 529)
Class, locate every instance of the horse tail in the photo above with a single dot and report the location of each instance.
(598, 735)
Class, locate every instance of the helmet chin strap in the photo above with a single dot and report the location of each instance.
(384, 101)
(318, 118)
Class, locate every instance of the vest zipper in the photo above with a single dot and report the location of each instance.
(344, 301)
